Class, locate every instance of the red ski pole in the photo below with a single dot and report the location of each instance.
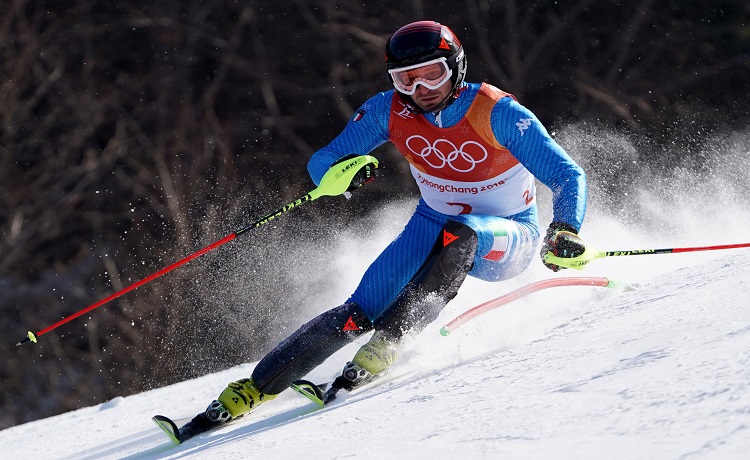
(335, 182)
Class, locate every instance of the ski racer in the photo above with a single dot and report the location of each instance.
(474, 152)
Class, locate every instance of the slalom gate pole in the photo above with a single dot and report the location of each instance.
(524, 291)
(578, 263)
(335, 182)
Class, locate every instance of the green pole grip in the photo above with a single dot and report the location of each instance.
(339, 177)
(576, 263)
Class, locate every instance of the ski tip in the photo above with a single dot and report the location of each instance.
(309, 390)
(168, 426)
(444, 331)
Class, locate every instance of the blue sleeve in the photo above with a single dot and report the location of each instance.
(366, 130)
(519, 130)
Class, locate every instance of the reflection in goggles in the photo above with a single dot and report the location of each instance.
(430, 74)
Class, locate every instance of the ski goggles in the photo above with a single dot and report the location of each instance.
(431, 74)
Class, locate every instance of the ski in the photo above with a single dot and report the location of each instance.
(320, 394)
(314, 392)
(324, 394)
(202, 424)
(198, 425)
(168, 426)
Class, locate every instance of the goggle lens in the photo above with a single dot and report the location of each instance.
(431, 75)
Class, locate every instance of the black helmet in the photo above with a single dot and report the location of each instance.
(421, 42)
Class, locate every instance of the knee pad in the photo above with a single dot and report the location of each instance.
(436, 282)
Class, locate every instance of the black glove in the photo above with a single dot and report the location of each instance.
(562, 240)
(367, 173)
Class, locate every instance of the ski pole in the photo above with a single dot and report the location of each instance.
(336, 181)
(578, 263)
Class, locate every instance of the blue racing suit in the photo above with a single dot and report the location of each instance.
(475, 164)
(506, 225)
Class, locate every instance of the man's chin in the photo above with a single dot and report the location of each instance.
(428, 105)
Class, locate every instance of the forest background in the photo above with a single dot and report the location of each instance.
(134, 133)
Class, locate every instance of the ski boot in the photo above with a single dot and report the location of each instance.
(241, 397)
(370, 361)
(238, 399)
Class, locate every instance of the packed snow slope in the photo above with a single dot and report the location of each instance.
(660, 371)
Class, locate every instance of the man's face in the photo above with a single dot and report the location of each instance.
(427, 98)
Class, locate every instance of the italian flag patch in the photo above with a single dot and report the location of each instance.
(499, 246)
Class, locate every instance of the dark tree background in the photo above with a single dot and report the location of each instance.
(134, 133)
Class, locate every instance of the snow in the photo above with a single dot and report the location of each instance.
(661, 371)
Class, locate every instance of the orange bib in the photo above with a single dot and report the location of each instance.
(466, 152)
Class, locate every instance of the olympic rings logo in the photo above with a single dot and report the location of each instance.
(443, 152)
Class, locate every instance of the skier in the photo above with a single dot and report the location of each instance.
(474, 152)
